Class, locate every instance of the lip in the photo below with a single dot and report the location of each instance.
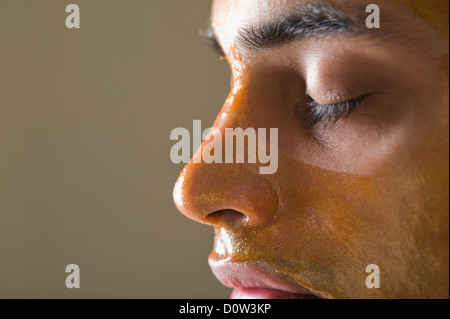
(257, 280)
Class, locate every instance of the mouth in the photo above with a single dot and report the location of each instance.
(257, 280)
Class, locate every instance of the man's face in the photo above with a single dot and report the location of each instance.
(362, 179)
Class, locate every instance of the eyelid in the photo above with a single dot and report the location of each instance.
(343, 101)
(332, 113)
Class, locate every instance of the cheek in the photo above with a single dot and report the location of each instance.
(330, 226)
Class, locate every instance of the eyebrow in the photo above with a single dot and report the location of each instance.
(310, 20)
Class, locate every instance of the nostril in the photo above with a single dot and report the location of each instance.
(226, 217)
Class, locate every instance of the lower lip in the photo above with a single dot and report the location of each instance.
(258, 293)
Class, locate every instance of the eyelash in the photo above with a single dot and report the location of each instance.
(331, 113)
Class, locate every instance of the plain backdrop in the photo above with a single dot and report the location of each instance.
(85, 170)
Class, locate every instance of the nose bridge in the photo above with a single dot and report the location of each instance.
(203, 189)
(235, 111)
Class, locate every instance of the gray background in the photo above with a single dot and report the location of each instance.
(85, 172)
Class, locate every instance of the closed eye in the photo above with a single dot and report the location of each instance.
(331, 113)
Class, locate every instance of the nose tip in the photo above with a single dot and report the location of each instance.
(225, 194)
(224, 217)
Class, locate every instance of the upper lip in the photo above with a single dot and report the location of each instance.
(255, 274)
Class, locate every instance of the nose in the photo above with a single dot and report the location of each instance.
(226, 194)
(223, 194)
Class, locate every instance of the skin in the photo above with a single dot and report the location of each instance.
(370, 189)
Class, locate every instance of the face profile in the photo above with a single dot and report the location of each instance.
(363, 153)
